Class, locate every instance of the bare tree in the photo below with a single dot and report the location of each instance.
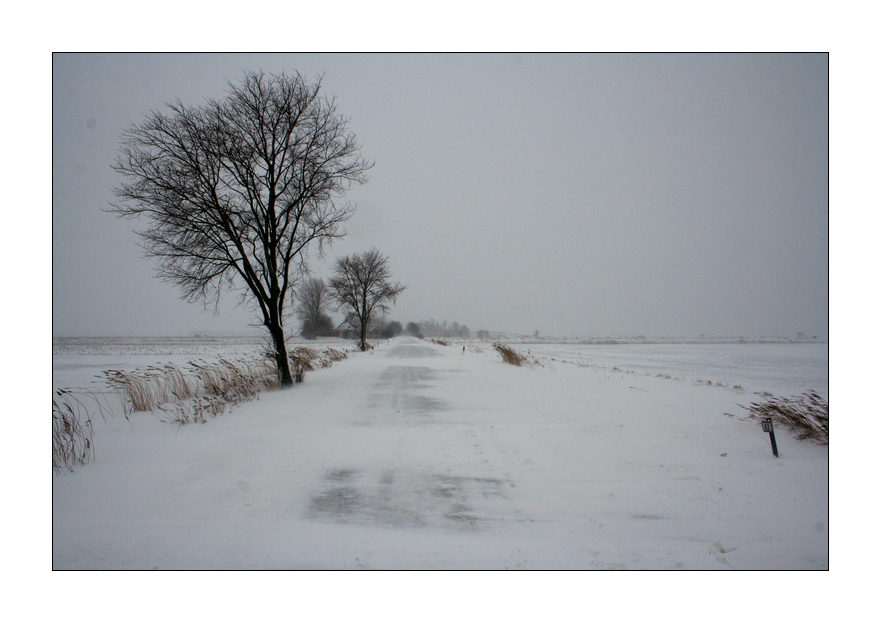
(361, 285)
(313, 296)
(236, 191)
(392, 329)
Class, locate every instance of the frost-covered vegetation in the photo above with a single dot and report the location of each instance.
(436, 455)
(178, 394)
(514, 357)
(806, 415)
(72, 432)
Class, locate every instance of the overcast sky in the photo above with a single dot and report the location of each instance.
(580, 195)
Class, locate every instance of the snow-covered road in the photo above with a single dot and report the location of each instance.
(421, 456)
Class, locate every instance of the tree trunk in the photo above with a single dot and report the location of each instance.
(282, 362)
(363, 336)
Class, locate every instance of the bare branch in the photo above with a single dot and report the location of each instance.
(361, 285)
(234, 192)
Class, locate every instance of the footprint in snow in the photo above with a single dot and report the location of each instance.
(719, 549)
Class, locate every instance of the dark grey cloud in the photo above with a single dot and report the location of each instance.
(570, 194)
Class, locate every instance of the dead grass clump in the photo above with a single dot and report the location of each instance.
(138, 388)
(806, 415)
(330, 356)
(220, 386)
(196, 410)
(236, 380)
(301, 362)
(146, 390)
(440, 342)
(71, 432)
(515, 358)
(227, 378)
(203, 390)
(509, 355)
(156, 387)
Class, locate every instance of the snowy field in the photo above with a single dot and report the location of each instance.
(78, 362)
(417, 455)
(779, 368)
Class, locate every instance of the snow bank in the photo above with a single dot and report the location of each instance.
(421, 456)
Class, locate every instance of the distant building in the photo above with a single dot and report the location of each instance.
(349, 328)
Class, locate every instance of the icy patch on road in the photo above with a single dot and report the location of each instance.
(412, 499)
(412, 351)
(394, 396)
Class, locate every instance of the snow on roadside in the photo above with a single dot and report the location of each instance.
(421, 456)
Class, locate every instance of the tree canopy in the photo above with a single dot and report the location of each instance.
(236, 191)
(361, 284)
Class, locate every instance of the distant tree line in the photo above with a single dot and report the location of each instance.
(315, 297)
(351, 328)
(316, 322)
(433, 328)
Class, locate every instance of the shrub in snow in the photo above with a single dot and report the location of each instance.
(515, 358)
(806, 415)
(72, 442)
(231, 381)
(71, 432)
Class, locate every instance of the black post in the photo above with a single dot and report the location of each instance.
(768, 427)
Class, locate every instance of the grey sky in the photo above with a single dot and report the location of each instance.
(581, 195)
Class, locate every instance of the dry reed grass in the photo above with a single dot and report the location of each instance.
(188, 395)
(194, 393)
(195, 410)
(806, 415)
(72, 431)
(514, 357)
(330, 356)
(301, 362)
(305, 359)
(202, 390)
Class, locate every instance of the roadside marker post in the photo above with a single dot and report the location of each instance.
(768, 427)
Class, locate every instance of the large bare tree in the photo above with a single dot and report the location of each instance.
(236, 191)
(314, 296)
(361, 285)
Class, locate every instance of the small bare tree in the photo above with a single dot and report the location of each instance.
(361, 285)
(237, 190)
(313, 296)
